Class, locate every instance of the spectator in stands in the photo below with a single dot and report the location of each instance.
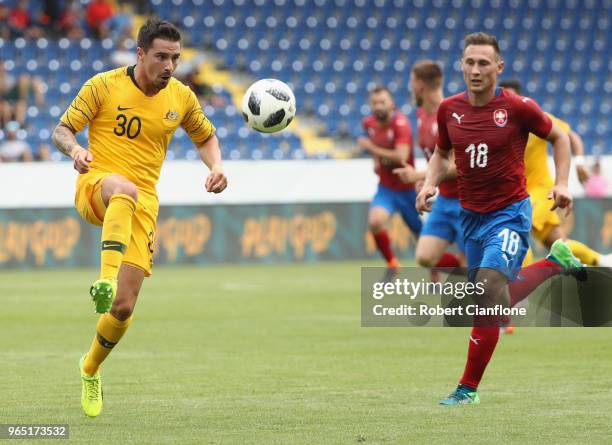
(120, 24)
(124, 54)
(51, 15)
(8, 85)
(20, 22)
(205, 93)
(597, 186)
(19, 19)
(14, 149)
(70, 20)
(6, 82)
(16, 94)
(99, 12)
(5, 30)
(141, 6)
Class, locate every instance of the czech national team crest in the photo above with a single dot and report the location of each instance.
(500, 117)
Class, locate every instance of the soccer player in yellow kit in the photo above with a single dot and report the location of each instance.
(132, 113)
(546, 225)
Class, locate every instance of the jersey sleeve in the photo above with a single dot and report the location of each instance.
(194, 122)
(85, 106)
(403, 132)
(444, 142)
(533, 118)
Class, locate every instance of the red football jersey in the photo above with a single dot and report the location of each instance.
(489, 144)
(427, 133)
(389, 136)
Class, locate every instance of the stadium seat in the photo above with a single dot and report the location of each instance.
(320, 56)
(332, 51)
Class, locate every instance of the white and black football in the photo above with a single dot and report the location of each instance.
(268, 106)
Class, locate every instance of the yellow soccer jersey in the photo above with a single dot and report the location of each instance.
(536, 159)
(129, 132)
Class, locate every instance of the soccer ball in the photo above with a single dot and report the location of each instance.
(268, 105)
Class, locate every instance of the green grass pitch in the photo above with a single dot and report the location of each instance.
(276, 355)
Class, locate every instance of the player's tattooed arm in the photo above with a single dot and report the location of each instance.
(65, 141)
(210, 153)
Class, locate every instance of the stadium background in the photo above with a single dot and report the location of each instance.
(274, 353)
(330, 52)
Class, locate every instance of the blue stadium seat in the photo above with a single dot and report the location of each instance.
(332, 51)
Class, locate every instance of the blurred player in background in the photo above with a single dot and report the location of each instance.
(132, 113)
(487, 128)
(545, 224)
(442, 226)
(389, 141)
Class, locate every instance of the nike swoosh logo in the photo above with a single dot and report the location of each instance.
(120, 108)
(111, 244)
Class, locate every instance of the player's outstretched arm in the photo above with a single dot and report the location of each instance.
(436, 172)
(409, 175)
(210, 153)
(398, 155)
(65, 141)
(561, 154)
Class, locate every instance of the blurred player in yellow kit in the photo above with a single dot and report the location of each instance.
(545, 222)
(132, 113)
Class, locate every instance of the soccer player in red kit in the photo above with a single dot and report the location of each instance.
(389, 141)
(443, 225)
(487, 129)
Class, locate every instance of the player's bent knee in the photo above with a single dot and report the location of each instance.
(124, 304)
(376, 226)
(425, 256)
(425, 260)
(126, 188)
(376, 223)
(122, 311)
(492, 284)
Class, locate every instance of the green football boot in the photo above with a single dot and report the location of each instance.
(91, 392)
(561, 254)
(103, 293)
(463, 395)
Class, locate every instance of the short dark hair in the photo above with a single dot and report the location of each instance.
(379, 89)
(156, 28)
(482, 38)
(429, 72)
(511, 83)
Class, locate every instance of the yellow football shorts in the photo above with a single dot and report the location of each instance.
(88, 202)
(543, 219)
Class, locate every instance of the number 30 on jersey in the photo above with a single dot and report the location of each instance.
(478, 155)
(130, 128)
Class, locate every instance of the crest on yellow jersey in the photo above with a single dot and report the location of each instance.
(172, 115)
